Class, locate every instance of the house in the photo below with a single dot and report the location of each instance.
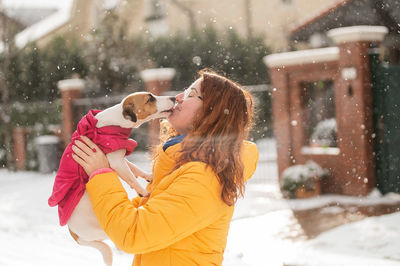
(346, 81)
(44, 19)
(311, 31)
(41, 20)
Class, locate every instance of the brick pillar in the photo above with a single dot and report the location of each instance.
(354, 111)
(158, 81)
(281, 117)
(19, 147)
(70, 90)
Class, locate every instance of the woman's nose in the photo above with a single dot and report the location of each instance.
(179, 97)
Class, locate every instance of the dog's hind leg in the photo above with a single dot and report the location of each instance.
(101, 246)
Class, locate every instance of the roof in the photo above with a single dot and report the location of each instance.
(29, 16)
(39, 17)
(344, 13)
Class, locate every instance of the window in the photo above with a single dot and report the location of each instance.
(154, 10)
(319, 113)
(156, 17)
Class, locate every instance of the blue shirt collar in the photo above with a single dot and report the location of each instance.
(173, 141)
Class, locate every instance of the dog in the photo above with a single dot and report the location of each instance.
(74, 206)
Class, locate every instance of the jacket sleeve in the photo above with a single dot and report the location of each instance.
(189, 204)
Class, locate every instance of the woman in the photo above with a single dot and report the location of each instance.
(197, 177)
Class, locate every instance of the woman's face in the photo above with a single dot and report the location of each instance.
(188, 107)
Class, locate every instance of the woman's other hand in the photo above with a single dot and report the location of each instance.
(88, 155)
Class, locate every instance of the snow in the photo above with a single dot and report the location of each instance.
(302, 57)
(374, 238)
(358, 33)
(35, 4)
(42, 27)
(47, 139)
(263, 231)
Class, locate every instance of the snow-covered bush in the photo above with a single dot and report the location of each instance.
(325, 133)
(301, 175)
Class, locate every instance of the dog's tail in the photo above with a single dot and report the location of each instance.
(99, 245)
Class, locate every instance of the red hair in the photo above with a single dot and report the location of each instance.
(218, 133)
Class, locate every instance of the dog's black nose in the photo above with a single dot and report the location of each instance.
(172, 99)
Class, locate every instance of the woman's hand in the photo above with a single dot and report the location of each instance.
(88, 155)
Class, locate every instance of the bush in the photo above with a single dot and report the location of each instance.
(40, 118)
(226, 52)
(112, 57)
(300, 175)
(239, 58)
(31, 81)
(34, 72)
(325, 133)
(110, 62)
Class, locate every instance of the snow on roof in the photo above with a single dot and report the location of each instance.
(28, 16)
(46, 16)
(35, 4)
(310, 56)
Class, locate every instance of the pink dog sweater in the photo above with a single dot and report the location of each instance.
(70, 181)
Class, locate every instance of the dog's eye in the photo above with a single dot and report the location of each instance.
(151, 99)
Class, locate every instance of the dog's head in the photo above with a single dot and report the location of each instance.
(140, 107)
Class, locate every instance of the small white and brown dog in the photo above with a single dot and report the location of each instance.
(133, 111)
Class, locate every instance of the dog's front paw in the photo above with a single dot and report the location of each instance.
(144, 194)
(148, 177)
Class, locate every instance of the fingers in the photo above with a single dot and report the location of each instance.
(148, 177)
(79, 160)
(88, 155)
(81, 148)
(80, 152)
(90, 143)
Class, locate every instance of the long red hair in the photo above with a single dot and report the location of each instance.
(218, 133)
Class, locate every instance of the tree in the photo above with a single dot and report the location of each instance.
(7, 33)
(227, 52)
(111, 56)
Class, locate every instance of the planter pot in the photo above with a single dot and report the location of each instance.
(302, 192)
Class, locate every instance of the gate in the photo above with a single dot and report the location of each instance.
(385, 80)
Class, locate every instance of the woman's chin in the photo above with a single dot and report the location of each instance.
(170, 118)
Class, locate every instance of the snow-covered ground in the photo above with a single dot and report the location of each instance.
(264, 230)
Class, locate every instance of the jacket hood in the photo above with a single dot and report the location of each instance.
(249, 158)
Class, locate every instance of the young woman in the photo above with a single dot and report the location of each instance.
(197, 177)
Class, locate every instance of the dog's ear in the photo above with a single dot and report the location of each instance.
(129, 114)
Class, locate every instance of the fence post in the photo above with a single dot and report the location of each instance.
(70, 90)
(281, 116)
(158, 81)
(19, 147)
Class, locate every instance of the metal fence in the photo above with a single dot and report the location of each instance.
(267, 167)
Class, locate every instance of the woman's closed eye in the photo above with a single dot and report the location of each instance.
(190, 93)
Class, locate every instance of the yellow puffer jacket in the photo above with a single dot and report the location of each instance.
(183, 222)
